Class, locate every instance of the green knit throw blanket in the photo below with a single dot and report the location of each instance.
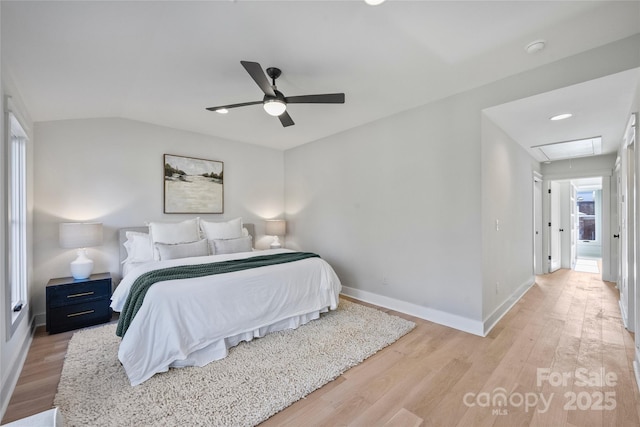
(142, 284)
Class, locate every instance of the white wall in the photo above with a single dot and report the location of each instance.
(111, 171)
(585, 167)
(396, 205)
(393, 206)
(507, 197)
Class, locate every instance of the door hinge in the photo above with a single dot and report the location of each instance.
(549, 257)
(549, 190)
(549, 224)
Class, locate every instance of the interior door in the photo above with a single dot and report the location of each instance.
(555, 237)
(574, 224)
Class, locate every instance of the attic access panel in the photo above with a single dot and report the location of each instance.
(571, 149)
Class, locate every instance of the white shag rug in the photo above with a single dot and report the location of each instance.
(256, 380)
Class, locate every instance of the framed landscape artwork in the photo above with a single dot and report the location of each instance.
(193, 185)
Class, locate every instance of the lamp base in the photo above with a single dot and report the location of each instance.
(82, 266)
(276, 243)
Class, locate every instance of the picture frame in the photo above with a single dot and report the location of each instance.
(193, 185)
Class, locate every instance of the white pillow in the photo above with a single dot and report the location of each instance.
(230, 246)
(138, 246)
(173, 232)
(231, 229)
(182, 250)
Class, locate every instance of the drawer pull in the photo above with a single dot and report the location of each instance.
(83, 294)
(81, 313)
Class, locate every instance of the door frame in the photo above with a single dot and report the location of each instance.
(554, 226)
(605, 174)
(538, 263)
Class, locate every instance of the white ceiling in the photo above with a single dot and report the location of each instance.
(600, 108)
(163, 62)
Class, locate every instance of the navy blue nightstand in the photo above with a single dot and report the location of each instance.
(73, 304)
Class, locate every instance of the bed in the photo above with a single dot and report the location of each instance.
(196, 320)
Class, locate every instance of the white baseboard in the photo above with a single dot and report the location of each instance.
(504, 308)
(624, 315)
(636, 370)
(14, 371)
(436, 316)
(41, 319)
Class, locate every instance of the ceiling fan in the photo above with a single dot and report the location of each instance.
(274, 101)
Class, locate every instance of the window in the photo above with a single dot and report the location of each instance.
(586, 215)
(16, 215)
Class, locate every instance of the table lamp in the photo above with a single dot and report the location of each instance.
(275, 228)
(80, 235)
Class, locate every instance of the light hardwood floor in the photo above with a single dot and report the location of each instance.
(549, 350)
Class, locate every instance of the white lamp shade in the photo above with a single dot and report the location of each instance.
(274, 107)
(80, 235)
(276, 227)
(75, 235)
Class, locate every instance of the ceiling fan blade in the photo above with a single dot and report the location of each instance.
(327, 98)
(286, 119)
(234, 105)
(255, 71)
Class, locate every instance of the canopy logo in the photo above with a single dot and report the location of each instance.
(500, 400)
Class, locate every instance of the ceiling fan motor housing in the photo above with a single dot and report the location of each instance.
(279, 96)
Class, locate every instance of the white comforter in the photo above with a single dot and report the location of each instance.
(192, 322)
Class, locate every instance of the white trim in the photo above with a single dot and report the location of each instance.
(636, 370)
(504, 308)
(16, 248)
(11, 380)
(577, 175)
(10, 107)
(630, 131)
(442, 318)
(624, 315)
(40, 319)
(436, 316)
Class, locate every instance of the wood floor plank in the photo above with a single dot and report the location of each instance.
(404, 418)
(437, 376)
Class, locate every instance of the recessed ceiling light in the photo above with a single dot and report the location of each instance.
(535, 46)
(222, 111)
(561, 116)
(373, 2)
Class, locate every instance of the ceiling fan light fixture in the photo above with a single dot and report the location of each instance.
(274, 107)
(561, 117)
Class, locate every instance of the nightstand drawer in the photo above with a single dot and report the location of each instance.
(78, 315)
(76, 293)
